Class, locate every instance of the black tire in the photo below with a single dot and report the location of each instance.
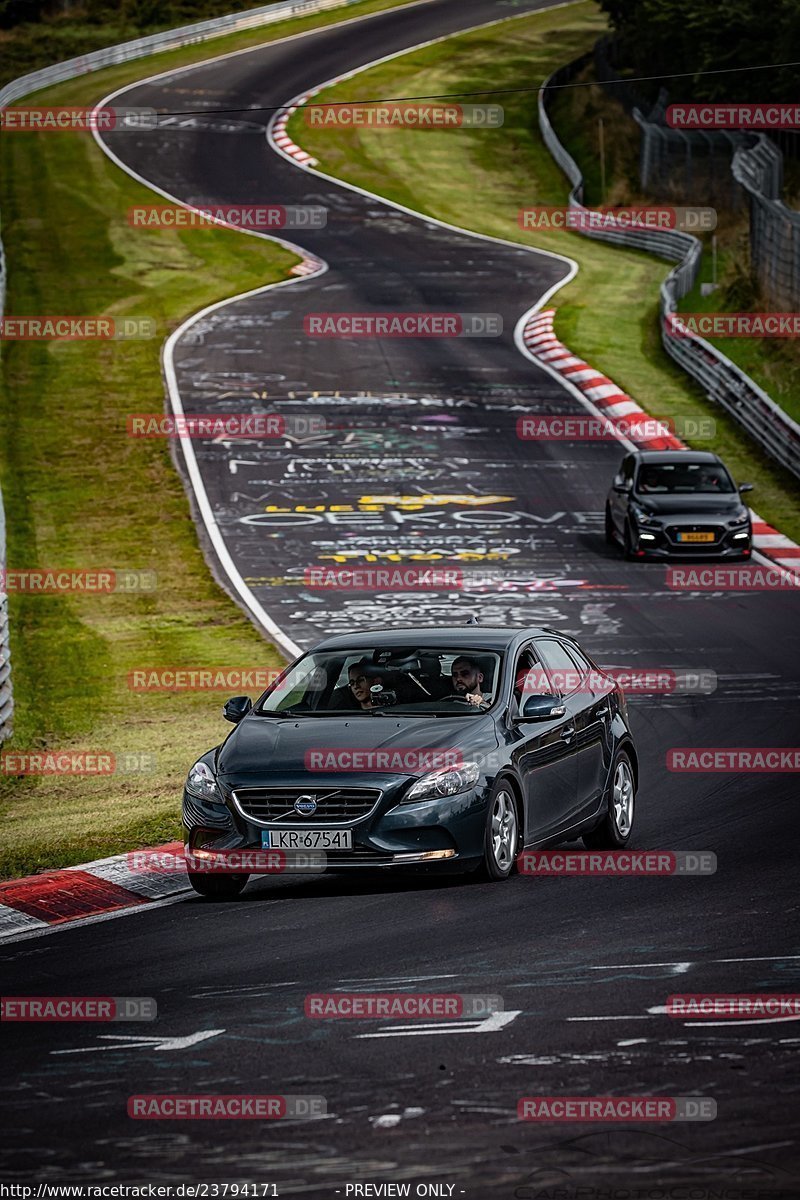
(611, 537)
(217, 887)
(500, 852)
(613, 833)
(628, 543)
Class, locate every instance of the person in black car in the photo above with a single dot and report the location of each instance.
(360, 677)
(467, 682)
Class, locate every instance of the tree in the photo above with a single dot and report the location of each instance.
(673, 37)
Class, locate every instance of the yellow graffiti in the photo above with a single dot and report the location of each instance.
(418, 556)
(428, 498)
(323, 508)
(379, 503)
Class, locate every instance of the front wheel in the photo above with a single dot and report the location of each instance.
(501, 841)
(614, 831)
(628, 549)
(217, 887)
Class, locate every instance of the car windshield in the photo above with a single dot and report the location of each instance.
(376, 682)
(673, 478)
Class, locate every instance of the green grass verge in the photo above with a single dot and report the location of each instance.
(79, 493)
(480, 179)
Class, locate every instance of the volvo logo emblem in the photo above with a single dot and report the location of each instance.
(305, 805)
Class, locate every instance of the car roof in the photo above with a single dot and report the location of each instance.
(670, 456)
(468, 637)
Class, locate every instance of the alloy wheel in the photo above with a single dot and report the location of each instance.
(622, 798)
(504, 830)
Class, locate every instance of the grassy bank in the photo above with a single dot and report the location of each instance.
(79, 493)
(480, 179)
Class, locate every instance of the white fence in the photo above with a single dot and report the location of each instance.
(724, 383)
(186, 35)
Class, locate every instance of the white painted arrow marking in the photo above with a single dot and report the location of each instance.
(135, 1042)
(677, 968)
(661, 1010)
(748, 1021)
(623, 1017)
(234, 464)
(490, 1024)
(635, 966)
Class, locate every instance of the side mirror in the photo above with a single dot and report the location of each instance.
(745, 487)
(542, 708)
(236, 708)
(621, 484)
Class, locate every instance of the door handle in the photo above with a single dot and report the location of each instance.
(568, 733)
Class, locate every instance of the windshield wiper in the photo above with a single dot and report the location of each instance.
(427, 712)
(289, 715)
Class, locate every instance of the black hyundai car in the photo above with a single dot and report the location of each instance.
(677, 503)
(453, 747)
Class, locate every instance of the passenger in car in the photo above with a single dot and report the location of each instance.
(361, 675)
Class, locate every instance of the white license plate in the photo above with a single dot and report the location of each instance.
(307, 839)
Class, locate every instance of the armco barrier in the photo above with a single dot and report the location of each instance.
(724, 383)
(71, 68)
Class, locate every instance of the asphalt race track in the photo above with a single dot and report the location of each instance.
(585, 964)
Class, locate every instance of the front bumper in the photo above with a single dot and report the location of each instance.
(436, 833)
(662, 541)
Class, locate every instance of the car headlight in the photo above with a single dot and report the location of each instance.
(446, 781)
(741, 518)
(202, 782)
(642, 515)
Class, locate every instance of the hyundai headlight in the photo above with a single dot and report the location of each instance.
(643, 516)
(446, 781)
(201, 782)
(741, 518)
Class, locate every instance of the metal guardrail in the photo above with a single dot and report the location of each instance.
(155, 43)
(724, 383)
